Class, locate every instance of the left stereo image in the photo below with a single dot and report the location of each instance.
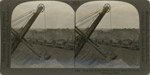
(42, 32)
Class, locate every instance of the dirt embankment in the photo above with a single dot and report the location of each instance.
(68, 34)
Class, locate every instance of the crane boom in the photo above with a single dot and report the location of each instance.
(25, 29)
(89, 41)
(91, 30)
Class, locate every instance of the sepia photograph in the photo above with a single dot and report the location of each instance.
(51, 34)
(107, 35)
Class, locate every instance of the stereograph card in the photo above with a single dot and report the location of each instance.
(91, 37)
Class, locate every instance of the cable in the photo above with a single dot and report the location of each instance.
(90, 15)
(84, 21)
(22, 17)
(25, 14)
(24, 23)
(110, 19)
(93, 20)
(80, 23)
(45, 26)
(20, 20)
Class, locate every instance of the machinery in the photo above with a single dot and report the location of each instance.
(19, 37)
(83, 38)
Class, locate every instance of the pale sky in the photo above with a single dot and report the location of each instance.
(122, 15)
(57, 14)
(60, 15)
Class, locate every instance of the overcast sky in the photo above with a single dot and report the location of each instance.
(61, 15)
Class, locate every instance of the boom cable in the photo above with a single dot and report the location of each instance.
(45, 26)
(23, 25)
(21, 18)
(111, 20)
(94, 15)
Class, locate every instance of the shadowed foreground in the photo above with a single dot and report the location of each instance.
(88, 58)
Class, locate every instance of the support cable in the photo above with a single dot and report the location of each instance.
(90, 15)
(21, 18)
(81, 22)
(23, 25)
(45, 26)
